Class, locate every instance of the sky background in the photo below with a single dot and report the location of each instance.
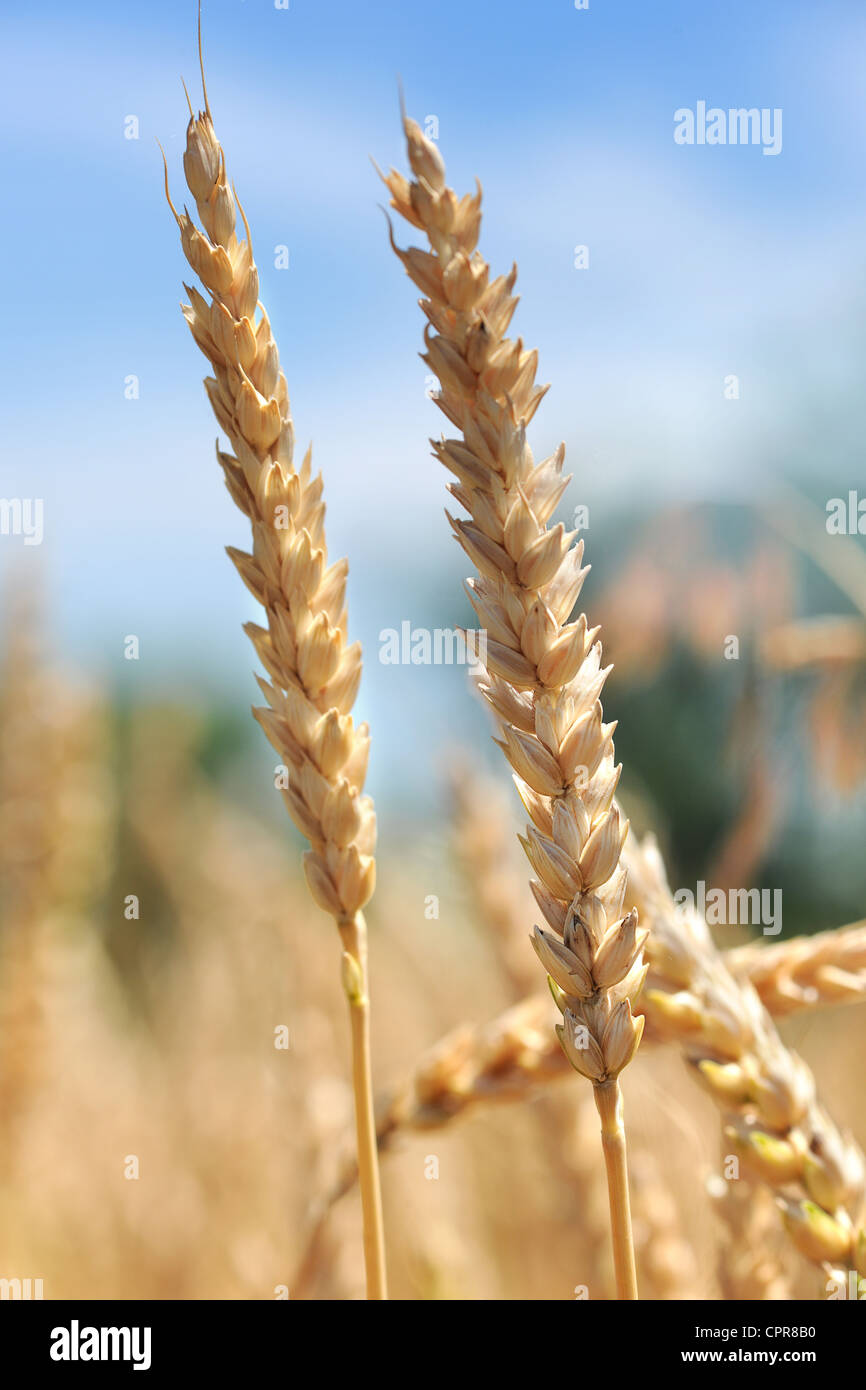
(703, 262)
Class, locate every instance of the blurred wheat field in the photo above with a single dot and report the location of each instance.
(156, 1142)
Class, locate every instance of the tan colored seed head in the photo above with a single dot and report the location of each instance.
(544, 672)
(313, 671)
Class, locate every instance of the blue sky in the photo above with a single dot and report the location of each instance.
(703, 262)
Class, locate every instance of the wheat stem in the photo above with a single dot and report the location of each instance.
(354, 938)
(608, 1100)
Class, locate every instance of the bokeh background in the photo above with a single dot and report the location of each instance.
(706, 520)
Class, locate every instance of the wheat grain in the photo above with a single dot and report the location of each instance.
(544, 672)
(313, 671)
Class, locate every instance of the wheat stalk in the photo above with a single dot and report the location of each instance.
(313, 671)
(544, 672)
(805, 972)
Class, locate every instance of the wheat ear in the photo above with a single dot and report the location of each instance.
(806, 972)
(313, 671)
(766, 1094)
(544, 672)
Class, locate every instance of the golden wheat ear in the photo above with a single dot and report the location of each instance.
(544, 672)
(312, 670)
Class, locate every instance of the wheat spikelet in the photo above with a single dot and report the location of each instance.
(313, 671)
(806, 972)
(544, 671)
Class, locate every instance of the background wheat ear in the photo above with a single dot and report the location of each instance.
(313, 672)
(544, 672)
